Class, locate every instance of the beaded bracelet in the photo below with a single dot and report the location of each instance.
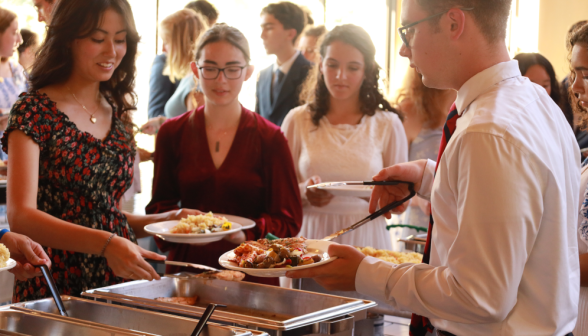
(3, 232)
(105, 245)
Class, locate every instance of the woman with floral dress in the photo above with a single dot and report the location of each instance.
(71, 152)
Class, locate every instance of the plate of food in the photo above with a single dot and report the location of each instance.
(199, 229)
(362, 191)
(5, 262)
(273, 258)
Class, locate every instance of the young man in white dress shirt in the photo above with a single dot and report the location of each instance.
(503, 257)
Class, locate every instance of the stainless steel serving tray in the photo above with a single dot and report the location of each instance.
(17, 322)
(382, 308)
(132, 318)
(248, 304)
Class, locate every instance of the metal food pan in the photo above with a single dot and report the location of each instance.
(248, 304)
(17, 322)
(382, 308)
(131, 318)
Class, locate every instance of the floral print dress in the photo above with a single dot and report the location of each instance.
(81, 180)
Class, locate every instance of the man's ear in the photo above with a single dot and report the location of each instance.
(194, 68)
(292, 35)
(457, 22)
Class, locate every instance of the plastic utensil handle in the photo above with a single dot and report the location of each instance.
(207, 314)
(53, 289)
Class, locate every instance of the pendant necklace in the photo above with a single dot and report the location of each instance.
(217, 147)
(92, 117)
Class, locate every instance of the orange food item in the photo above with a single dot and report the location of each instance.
(189, 301)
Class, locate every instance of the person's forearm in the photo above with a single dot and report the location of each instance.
(138, 222)
(584, 270)
(55, 233)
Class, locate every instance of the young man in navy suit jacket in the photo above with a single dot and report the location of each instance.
(279, 85)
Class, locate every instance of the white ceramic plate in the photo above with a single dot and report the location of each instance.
(162, 229)
(9, 265)
(319, 247)
(353, 191)
(246, 223)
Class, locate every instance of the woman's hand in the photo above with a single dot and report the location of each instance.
(144, 154)
(317, 197)
(152, 126)
(236, 238)
(27, 255)
(183, 213)
(127, 260)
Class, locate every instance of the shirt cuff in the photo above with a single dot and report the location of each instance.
(372, 277)
(427, 181)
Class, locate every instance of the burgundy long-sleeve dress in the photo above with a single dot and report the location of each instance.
(257, 181)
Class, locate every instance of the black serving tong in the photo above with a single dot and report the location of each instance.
(204, 319)
(376, 214)
(53, 289)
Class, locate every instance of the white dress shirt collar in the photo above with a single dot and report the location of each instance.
(482, 81)
(285, 67)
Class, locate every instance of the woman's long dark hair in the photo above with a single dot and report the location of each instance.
(527, 60)
(75, 19)
(315, 92)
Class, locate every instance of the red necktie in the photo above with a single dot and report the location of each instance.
(419, 325)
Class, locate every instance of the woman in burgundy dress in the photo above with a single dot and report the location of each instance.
(224, 158)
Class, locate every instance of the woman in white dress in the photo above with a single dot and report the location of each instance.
(578, 45)
(345, 131)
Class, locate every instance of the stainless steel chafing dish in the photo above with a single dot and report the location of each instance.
(131, 318)
(16, 322)
(275, 310)
(382, 308)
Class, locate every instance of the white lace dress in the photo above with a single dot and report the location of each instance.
(344, 153)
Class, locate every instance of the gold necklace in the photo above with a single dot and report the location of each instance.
(92, 117)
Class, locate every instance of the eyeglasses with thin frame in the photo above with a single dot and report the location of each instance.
(403, 30)
(230, 72)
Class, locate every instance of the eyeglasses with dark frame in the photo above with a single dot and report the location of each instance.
(402, 30)
(230, 72)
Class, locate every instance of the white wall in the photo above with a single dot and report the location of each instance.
(555, 18)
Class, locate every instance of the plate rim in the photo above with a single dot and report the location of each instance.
(10, 264)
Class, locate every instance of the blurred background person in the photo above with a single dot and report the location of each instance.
(12, 78)
(310, 41)
(540, 71)
(347, 131)
(581, 135)
(45, 9)
(161, 88)
(578, 79)
(206, 9)
(425, 111)
(28, 49)
(181, 32)
(278, 86)
(224, 158)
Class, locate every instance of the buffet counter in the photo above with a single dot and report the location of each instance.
(132, 309)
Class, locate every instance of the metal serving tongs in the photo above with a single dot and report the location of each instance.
(377, 213)
(53, 289)
(204, 318)
(343, 183)
(183, 264)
